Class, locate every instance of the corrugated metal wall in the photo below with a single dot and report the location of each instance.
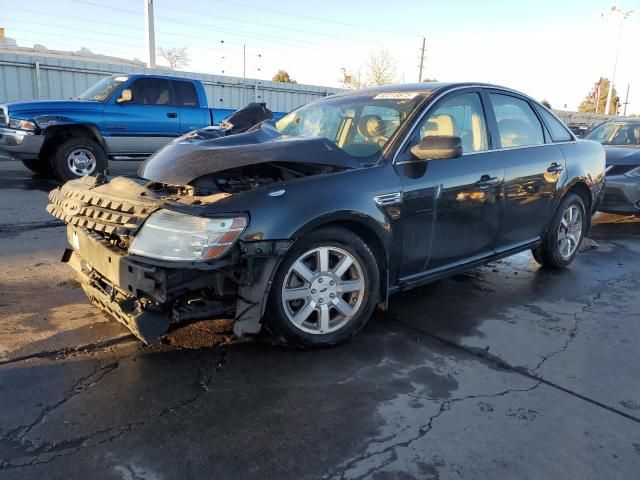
(582, 117)
(29, 77)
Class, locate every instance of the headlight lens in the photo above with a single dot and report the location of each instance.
(633, 173)
(22, 124)
(168, 235)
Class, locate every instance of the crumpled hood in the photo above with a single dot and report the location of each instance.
(622, 155)
(208, 151)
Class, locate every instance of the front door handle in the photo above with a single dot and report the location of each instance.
(486, 181)
(172, 115)
(555, 168)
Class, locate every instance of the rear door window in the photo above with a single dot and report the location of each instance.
(185, 94)
(518, 124)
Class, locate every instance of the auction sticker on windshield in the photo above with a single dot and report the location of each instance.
(396, 95)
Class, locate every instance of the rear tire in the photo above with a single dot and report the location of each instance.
(562, 241)
(78, 157)
(39, 166)
(337, 297)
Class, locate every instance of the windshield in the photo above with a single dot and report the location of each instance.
(359, 124)
(616, 133)
(102, 90)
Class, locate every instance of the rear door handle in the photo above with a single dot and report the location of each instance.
(172, 115)
(486, 181)
(555, 168)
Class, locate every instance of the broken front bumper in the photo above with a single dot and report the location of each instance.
(144, 298)
(111, 280)
(146, 295)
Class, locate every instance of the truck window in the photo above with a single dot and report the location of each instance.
(185, 94)
(151, 91)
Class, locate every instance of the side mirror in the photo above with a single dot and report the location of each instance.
(125, 96)
(437, 148)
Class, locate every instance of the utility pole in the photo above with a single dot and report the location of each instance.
(244, 62)
(244, 73)
(424, 41)
(623, 17)
(626, 102)
(151, 35)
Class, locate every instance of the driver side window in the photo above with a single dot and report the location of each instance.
(460, 116)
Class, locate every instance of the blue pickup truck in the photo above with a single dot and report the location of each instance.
(121, 117)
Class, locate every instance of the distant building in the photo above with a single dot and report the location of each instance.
(9, 45)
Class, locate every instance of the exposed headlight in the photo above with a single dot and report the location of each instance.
(633, 173)
(168, 235)
(22, 124)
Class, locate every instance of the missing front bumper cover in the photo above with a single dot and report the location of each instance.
(149, 300)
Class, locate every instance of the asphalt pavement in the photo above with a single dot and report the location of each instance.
(508, 371)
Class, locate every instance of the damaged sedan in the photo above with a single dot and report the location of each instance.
(299, 228)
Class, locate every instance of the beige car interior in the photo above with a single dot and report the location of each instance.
(444, 125)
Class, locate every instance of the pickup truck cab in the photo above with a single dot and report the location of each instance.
(120, 117)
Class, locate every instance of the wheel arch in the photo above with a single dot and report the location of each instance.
(581, 189)
(55, 134)
(374, 235)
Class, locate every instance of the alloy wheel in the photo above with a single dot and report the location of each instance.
(569, 231)
(323, 290)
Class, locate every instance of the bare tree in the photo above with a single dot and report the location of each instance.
(381, 68)
(175, 57)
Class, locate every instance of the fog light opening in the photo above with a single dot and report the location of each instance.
(637, 204)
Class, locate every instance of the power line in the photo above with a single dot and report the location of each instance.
(269, 25)
(76, 29)
(308, 17)
(110, 52)
(244, 21)
(207, 40)
(69, 17)
(39, 32)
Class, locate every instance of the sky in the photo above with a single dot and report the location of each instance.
(549, 49)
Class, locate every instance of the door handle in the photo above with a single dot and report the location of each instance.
(555, 168)
(486, 181)
(172, 115)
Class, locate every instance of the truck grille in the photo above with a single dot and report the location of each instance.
(3, 116)
(96, 212)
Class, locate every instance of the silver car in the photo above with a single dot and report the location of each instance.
(621, 140)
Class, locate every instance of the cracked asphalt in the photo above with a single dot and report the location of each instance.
(508, 371)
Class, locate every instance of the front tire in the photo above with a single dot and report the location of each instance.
(325, 290)
(78, 157)
(562, 242)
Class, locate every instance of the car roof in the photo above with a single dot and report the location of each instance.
(428, 87)
(153, 75)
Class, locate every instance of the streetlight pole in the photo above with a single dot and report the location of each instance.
(623, 16)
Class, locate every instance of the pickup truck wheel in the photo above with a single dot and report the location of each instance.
(78, 157)
(41, 167)
(325, 290)
(566, 232)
